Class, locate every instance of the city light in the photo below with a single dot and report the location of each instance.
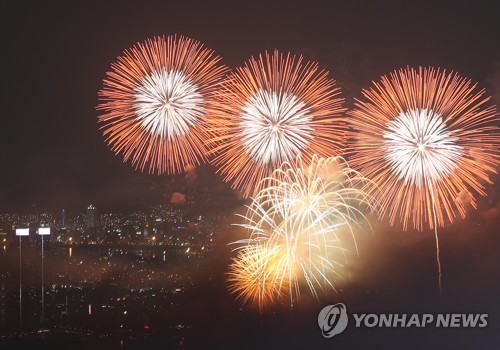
(22, 232)
(42, 232)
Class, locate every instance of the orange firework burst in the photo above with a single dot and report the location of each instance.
(427, 138)
(155, 100)
(421, 134)
(274, 108)
(256, 276)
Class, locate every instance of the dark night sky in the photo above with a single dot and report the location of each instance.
(53, 154)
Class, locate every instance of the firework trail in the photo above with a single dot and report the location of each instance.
(299, 226)
(424, 137)
(272, 109)
(155, 101)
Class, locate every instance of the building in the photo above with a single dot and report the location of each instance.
(92, 223)
(63, 219)
(92, 218)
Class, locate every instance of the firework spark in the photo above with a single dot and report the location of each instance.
(427, 139)
(274, 108)
(155, 100)
(299, 227)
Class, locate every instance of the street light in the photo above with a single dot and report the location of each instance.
(42, 232)
(20, 232)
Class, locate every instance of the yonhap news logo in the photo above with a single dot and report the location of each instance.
(333, 320)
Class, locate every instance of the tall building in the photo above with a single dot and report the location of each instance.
(92, 223)
(63, 219)
(92, 218)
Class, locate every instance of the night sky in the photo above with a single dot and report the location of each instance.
(53, 154)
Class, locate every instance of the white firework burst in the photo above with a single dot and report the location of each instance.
(168, 104)
(271, 110)
(419, 147)
(275, 127)
(416, 130)
(301, 225)
(155, 103)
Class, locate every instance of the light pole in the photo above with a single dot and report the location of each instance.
(20, 232)
(42, 232)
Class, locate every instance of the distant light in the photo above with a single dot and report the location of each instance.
(22, 231)
(44, 231)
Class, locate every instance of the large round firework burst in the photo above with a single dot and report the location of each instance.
(154, 102)
(274, 108)
(300, 229)
(421, 134)
(425, 137)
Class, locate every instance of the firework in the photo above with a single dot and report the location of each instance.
(254, 276)
(155, 100)
(426, 138)
(299, 225)
(274, 108)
